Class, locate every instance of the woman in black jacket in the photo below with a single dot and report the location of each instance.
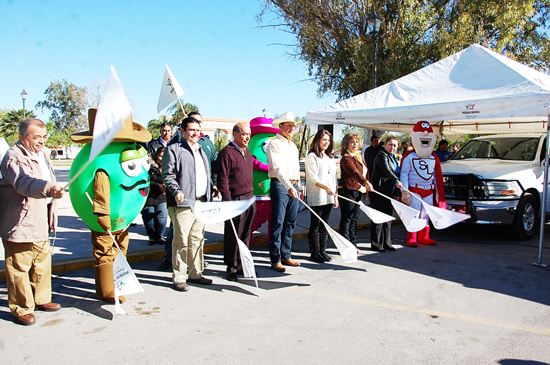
(155, 212)
(384, 179)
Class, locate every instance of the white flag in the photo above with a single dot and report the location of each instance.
(247, 261)
(375, 216)
(125, 281)
(218, 212)
(4, 147)
(113, 110)
(347, 250)
(443, 218)
(170, 90)
(409, 216)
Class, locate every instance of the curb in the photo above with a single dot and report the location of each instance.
(158, 253)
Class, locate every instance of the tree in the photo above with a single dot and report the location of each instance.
(68, 105)
(57, 138)
(220, 139)
(95, 90)
(332, 39)
(178, 115)
(9, 124)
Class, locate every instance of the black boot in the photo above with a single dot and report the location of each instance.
(323, 246)
(314, 244)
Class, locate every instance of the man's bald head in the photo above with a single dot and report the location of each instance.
(241, 134)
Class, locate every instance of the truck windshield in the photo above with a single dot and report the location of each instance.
(504, 148)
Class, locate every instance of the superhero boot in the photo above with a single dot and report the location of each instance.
(411, 239)
(423, 237)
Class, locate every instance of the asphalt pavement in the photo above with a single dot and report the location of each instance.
(475, 298)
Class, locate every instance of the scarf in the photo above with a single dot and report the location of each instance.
(357, 156)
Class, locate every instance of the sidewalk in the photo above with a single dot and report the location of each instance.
(73, 249)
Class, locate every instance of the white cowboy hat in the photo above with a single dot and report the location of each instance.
(284, 118)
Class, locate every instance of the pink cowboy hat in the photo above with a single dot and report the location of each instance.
(261, 125)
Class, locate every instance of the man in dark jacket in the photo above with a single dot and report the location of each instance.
(235, 183)
(162, 141)
(371, 152)
(186, 173)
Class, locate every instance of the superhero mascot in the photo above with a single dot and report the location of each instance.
(118, 183)
(262, 133)
(421, 174)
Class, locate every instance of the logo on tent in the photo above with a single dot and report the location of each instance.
(470, 110)
(339, 116)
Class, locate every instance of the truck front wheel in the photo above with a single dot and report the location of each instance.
(525, 220)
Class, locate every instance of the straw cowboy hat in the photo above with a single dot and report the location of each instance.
(284, 118)
(131, 132)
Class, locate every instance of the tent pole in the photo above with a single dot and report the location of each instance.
(544, 195)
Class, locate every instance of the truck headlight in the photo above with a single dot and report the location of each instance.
(502, 189)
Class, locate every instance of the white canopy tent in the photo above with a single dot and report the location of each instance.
(473, 91)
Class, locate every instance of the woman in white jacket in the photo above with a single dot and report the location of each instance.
(321, 189)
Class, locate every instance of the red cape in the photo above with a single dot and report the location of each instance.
(440, 190)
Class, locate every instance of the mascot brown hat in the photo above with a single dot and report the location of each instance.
(131, 132)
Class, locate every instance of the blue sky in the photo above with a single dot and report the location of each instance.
(224, 63)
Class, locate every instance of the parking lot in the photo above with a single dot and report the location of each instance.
(475, 298)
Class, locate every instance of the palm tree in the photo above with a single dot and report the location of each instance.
(178, 115)
(9, 124)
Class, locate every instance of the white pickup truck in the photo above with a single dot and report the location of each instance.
(498, 180)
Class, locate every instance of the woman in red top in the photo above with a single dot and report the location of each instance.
(354, 182)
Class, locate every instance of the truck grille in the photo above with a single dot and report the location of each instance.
(464, 187)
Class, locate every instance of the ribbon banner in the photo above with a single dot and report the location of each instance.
(125, 280)
(218, 212)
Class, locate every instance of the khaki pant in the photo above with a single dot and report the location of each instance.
(28, 275)
(187, 245)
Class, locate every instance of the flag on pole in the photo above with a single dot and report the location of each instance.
(443, 218)
(4, 147)
(346, 249)
(170, 90)
(246, 258)
(218, 212)
(113, 110)
(375, 216)
(409, 216)
(247, 261)
(125, 281)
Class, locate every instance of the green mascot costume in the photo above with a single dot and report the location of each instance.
(262, 133)
(117, 181)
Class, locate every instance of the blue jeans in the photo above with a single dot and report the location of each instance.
(284, 211)
(154, 220)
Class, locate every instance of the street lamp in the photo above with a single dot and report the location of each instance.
(373, 25)
(264, 112)
(24, 98)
